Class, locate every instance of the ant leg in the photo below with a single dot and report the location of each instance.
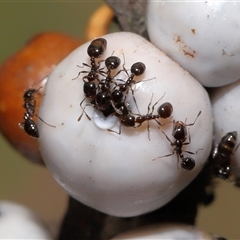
(84, 65)
(168, 155)
(79, 74)
(44, 121)
(21, 125)
(146, 80)
(119, 130)
(157, 102)
(195, 153)
(236, 148)
(189, 138)
(134, 99)
(116, 109)
(84, 110)
(190, 124)
(150, 105)
(167, 137)
(148, 128)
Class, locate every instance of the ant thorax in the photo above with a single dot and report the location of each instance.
(179, 131)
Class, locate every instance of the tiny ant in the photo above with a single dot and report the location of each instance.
(180, 134)
(101, 98)
(29, 125)
(222, 155)
(137, 69)
(95, 50)
(163, 111)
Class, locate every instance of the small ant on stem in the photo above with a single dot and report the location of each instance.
(181, 134)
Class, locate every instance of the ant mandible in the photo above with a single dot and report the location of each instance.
(180, 134)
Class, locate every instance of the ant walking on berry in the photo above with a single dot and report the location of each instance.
(181, 134)
(95, 50)
(137, 69)
(99, 94)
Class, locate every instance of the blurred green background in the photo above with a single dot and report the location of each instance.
(32, 185)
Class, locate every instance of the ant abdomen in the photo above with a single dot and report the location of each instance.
(165, 110)
(97, 47)
(29, 126)
(112, 62)
(138, 68)
(187, 163)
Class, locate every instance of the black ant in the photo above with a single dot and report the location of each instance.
(100, 94)
(137, 69)
(163, 111)
(180, 134)
(95, 50)
(90, 88)
(105, 96)
(29, 125)
(222, 155)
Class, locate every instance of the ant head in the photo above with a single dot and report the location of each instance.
(138, 68)
(165, 110)
(112, 62)
(97, 47)
(30, 128)
(187, 164)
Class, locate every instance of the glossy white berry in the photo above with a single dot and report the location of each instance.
(202, 36)
(115, 173)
